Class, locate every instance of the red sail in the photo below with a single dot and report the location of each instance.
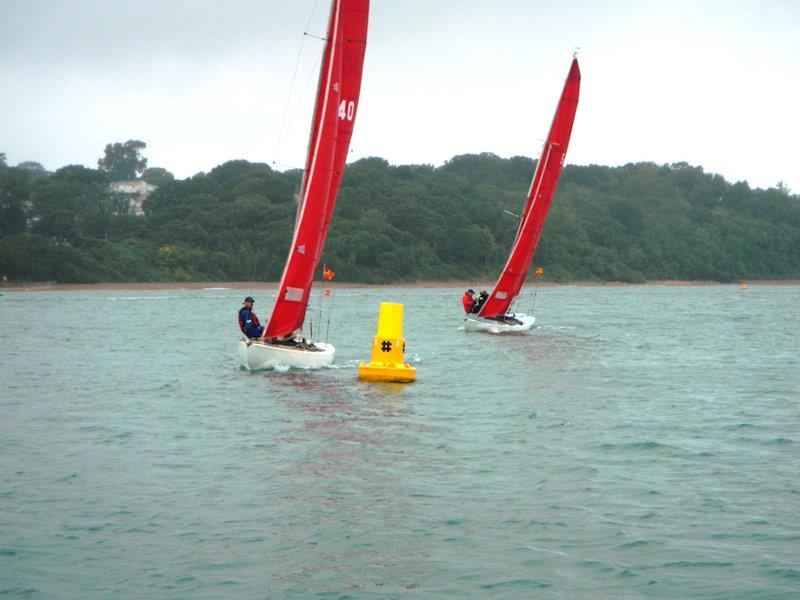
(354, 41)
(540, 197)
(334, 115)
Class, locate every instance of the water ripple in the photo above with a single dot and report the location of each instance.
(611, 453)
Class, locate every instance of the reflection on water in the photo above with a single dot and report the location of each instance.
(387, 388)
(386, 399)
(334, 409)
(338, 480)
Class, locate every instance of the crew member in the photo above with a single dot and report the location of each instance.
(482, 298)
(248, 321)
(468, 300)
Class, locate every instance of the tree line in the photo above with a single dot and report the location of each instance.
(393, 224)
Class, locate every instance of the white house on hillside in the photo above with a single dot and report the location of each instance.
(137, 189)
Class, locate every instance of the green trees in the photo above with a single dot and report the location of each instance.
(398, 223)
(157, 176)
(73, 203)
(123, 161)
(15, 191)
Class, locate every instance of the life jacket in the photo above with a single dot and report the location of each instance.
(243, 317)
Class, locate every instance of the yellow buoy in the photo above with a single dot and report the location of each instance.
(388, 348)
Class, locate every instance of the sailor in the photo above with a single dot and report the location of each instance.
(468, 300)
(482, 298)
(248, 321)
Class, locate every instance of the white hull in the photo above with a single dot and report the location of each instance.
(476, 323)
(256, 355)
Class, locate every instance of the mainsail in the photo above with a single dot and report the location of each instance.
(332, 127)
(540, 197)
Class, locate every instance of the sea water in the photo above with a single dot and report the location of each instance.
(639, 442)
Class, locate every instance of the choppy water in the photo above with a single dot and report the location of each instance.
(640, 442)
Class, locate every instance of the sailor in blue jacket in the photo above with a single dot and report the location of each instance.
(248, 321)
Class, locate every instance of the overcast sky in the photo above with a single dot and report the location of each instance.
(715, 84)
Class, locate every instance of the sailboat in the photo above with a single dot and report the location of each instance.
(494, 315)
(282, 342)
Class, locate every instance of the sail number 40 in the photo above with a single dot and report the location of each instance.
(347, 110)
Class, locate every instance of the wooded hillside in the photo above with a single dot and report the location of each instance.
(398, 224)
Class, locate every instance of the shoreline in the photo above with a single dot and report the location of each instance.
(250, 286)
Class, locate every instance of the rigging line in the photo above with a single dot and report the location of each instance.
(284, 165)
(533, 296)
(535, 289)
(284, 128)
(284, 125)
(311, 14)
(319, 310)
(330, 310)
(253, 280)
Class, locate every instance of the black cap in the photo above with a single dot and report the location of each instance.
(249, 299)
(470, 291)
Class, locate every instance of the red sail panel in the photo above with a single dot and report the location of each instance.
(323, 173)
(540, 197)
(354, 41)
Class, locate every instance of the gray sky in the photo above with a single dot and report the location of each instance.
(712, 83)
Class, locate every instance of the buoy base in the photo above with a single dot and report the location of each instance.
(389, 372)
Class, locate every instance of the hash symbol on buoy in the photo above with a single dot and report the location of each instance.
(386, 346)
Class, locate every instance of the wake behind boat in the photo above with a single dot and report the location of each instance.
(282, 342)
(493, 315)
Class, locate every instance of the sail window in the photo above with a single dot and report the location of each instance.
(294, 294)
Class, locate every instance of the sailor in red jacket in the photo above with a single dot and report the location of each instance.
(468, 300)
